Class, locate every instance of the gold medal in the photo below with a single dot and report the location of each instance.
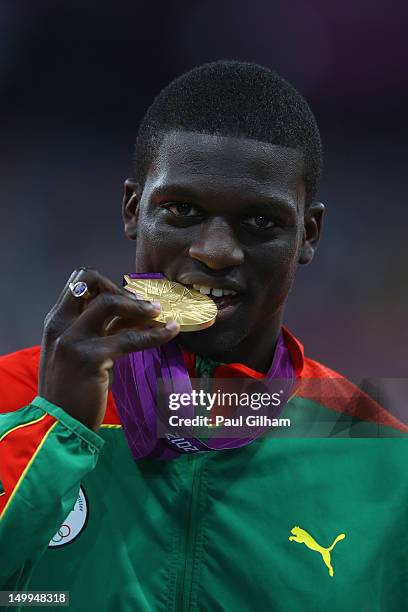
(191, 309)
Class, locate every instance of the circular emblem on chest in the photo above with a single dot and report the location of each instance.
(73, 524)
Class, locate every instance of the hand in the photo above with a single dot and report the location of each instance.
(82, 337)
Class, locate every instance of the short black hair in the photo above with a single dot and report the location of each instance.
(232, 98)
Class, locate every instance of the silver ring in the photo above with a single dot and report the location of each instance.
(79, 289)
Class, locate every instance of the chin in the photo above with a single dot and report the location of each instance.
(209, 342)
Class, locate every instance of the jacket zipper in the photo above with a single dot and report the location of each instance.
(190, 532)
(186, 579)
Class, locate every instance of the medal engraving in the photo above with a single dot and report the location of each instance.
(191, 309)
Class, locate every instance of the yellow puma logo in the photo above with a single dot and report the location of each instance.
(301, 536)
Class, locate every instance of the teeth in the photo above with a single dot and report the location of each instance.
(217, 292)
(213, 291)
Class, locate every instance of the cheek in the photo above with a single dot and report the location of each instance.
(278, 265)
(158, 244)
(148, 243)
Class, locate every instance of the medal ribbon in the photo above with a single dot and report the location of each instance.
(135, 390)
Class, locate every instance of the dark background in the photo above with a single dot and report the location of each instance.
(75, 80)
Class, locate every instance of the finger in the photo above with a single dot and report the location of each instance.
(117, 324)
(107, 306)
(129, 341)
(130, 290)
(69, 307)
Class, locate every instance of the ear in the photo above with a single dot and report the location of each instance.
(311, 232)
(130, 208)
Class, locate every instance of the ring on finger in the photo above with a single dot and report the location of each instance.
(79, 289)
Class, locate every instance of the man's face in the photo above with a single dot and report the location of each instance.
(226, 213)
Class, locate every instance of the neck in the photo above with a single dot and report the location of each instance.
(255, 351)
(257, 356)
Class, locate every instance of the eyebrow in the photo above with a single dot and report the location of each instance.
(178, 190)
(260, 202)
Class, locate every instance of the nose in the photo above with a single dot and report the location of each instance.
(217, 246)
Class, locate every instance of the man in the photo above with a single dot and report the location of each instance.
(228, 160)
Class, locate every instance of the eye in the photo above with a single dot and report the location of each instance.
(181, 209)
(260, 222)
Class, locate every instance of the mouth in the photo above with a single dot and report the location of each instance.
(226, 300)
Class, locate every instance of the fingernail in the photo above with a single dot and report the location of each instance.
(156, 305)
(172, 325)
(133, 295)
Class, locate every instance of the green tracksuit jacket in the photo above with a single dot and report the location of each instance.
(284, 524)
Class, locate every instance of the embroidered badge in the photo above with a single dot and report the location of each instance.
(302, 537)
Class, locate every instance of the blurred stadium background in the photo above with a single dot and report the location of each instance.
(75, 79)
